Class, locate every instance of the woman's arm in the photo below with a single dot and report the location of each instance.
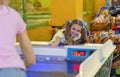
(26, 47)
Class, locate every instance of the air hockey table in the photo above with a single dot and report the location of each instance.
(58, 61)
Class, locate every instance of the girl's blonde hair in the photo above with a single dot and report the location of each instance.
(67, 32)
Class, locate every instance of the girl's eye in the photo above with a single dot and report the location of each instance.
(73, 28)
(78, 30)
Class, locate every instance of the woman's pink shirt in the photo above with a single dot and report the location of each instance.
(11, 24)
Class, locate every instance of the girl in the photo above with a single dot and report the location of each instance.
(12, 26)
(73, 34)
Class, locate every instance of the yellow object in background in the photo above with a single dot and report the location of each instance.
(41, 33)
(99, 4)
(62, 10)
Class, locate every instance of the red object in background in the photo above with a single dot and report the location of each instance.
(114, 29)
(76, 67)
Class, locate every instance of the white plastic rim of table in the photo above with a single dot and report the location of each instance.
(56, 51)
(94, 62)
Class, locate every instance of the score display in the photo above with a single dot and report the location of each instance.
(79, 54)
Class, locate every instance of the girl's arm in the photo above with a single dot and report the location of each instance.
(56, 42)
(57, 37)
(27, 50)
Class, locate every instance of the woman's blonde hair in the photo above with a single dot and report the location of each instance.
(67, 32)
(1, 2)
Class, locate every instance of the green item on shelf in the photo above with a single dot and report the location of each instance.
(118, 71)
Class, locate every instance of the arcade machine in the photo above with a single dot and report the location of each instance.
(58, 61)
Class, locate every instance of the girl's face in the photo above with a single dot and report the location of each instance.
(75, 30)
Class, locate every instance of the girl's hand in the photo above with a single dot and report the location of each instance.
(54, 44)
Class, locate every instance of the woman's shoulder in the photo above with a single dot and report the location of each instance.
(12, 10)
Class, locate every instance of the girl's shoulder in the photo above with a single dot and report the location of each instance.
(61, 30)
(84, 23)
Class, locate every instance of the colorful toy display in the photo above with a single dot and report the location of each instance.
(110, 27)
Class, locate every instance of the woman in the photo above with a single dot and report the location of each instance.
(13, 26)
